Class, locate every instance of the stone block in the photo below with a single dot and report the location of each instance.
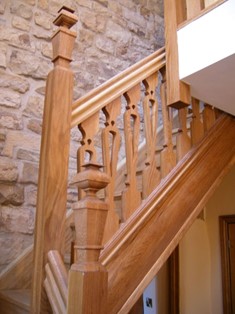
(43, 20)
(29, 173)
(10, 121)
(34, 107)
(16, 38)
(117, 33)
(135, 18)
(20, 23)
(11, 194)
(104, 44)
(46, 49)
(17, 219)
(43, 4)
(27, 64)
(9, 98)
(16, 139)
(88, 19)
(3, 6)
(35, 125)
(85, 3)
(12, 245)
(28, 155)
(3, 55)
(21, 10)
(8, 170)
(14, 82)
(31, 195)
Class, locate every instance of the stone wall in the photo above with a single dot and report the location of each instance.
(112, 35)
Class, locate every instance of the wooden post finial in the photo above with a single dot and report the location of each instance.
(64, 37)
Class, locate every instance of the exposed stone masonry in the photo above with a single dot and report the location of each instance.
(112, 35)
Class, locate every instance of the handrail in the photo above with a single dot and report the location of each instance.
(92, 102)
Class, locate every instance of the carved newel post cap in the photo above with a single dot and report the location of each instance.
(63, 39)
(66, 17)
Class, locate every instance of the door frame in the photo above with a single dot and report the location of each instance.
(225, 264)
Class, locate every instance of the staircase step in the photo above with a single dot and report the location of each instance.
(15, 301)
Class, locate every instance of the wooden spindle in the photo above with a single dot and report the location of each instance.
(197, 129)
(88, 280)
(168, 157)
(131, 198)
(194, 7)
(183, 141)
(151, 175)
(53, 171)
(208, 117)
(111, 141)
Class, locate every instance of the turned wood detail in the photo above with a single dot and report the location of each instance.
(151, 175)
(131, 198)
(87, 277)
(197, 129)
(111, 141)
(53, 170)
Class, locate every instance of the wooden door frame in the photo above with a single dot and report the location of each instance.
(223, 223)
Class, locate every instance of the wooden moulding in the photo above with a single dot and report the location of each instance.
(132, 259)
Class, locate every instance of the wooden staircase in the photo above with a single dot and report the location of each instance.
(179, 164)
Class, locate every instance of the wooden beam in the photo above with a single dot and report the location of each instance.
(53, 171)
(178, 93)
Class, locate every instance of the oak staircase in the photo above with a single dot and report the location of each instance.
(125, 227)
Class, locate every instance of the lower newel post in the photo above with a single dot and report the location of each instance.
(88, 279)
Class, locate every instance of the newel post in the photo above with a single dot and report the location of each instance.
(88, 279)
(53, 170)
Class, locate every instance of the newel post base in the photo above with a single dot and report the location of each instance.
(88, 279)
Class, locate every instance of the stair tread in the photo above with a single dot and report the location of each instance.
(18, 297)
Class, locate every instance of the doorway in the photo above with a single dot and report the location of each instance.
(227, 238)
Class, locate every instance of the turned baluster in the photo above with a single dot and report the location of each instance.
(131, 197)
(168, 157)
(88, 279)
(151, 175)
(111, 141)
(53, 171)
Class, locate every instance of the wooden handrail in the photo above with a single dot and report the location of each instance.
(94, 101)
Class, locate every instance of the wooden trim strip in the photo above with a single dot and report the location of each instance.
(89, 104)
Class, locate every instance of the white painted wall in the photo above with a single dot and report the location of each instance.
(200, 263)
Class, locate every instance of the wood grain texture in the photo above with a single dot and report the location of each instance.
(165, 216)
